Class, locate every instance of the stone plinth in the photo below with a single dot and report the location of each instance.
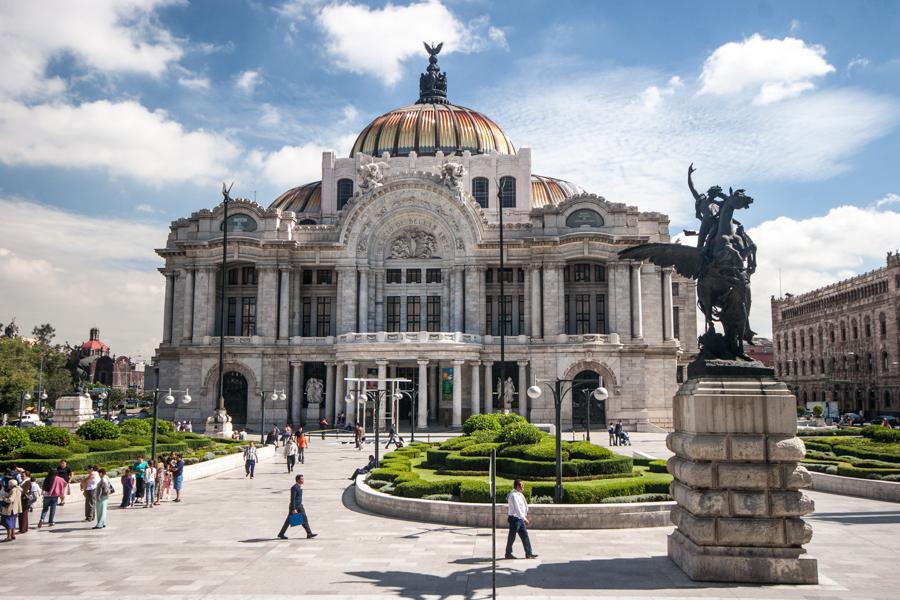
(219, 424)
(737, 483)
(72, 411)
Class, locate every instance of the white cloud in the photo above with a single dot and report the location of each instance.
(818, 251)
(110, 36)
(888, 199)
(247, 81)
(795, 25)
(271, 115)
(595, 130)
(122, 137)
(652, 97)
(290, 166)
(376, 41)
(194, 83)
(148, 208)
(106, 275)
(772, 69)
(859, 63)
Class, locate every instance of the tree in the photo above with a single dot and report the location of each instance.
(44, 334)
(18, 373)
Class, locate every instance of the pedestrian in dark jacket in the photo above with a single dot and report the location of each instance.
(363, 470)
(296, 507)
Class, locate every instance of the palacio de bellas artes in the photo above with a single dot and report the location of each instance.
(389, 267)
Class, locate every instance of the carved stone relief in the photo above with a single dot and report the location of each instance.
(414, 244)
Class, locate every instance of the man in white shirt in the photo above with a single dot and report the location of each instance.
(88, 485)
(517, 515)
(250, 460)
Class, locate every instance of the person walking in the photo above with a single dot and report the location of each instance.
(64, 471)
(178, 477)
(160, 478)
(392, 439)
(150, 484)
(517, 516)
(363, 470)
(303, 444)
(290, 453)
(88, 490)
(127, 488)
(104, 490)
(138, 469)
(167, 467)
(249, 460)
(358, 435)
(53, 489)
(296, 507)
(10, 507)
(31, 495)
(323, 425)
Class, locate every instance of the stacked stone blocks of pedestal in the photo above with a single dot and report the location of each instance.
(737, 483)
(72, 411)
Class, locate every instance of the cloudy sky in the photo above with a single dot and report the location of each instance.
(118, 116)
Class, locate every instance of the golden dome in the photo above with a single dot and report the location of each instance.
(427, 128)
(306, 198)
(547, 191)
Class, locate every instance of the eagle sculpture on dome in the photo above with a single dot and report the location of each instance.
(433, 50)
(432, 83)
(722, 263)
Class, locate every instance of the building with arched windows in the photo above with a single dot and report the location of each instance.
(839, 344)
(389, 266)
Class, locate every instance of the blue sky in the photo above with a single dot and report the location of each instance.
(118, 118)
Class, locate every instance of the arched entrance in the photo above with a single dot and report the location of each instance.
(585, 383)
(234, 390)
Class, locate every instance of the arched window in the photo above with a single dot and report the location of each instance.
(344, 192)
(855, 329)
(584, 217)
(307, 222)
(812, 342)
(868, 328)
(480, 191)
(831, 334)
(508, 192)
(882, 326)
(884, 362)
(794, 341)
(803, 367)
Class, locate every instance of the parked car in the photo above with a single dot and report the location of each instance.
(892, 421)
(852, 419)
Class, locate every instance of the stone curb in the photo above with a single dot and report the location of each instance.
(873, 489)
(542, 516)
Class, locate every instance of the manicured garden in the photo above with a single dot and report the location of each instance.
(101, 443)
(871, 452)
(457, 469)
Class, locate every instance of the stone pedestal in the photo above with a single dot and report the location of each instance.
(219, 424)
(737, 483)
(72, 411)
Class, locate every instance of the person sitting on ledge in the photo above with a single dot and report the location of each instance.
(363, 470)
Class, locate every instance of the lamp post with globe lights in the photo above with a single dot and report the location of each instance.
(169, 399)
(274, 396)
(362, 394)
(555, 386)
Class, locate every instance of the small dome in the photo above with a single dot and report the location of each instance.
(306, 198)
(427, 128)
(549, 191)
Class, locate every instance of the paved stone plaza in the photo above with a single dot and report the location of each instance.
(220, 544)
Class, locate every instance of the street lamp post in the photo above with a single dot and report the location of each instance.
(376, 395)
(25, 397)
(535, 392)
(273, 396)
(168, 399)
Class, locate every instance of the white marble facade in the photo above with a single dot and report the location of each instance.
(314, 293)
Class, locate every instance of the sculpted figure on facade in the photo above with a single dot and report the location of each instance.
(509, 392)
(314, 389)
(371, 176)
(452, 174)
(414, 244)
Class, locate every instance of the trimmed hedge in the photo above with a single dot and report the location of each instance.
(422, 487)
(545, 450)
(572, 468)
(98, 429)
(386, 474)
(105, 445)
(56, 436)
(863, 452)
(573, 493)
(34, 450)
(12, 438)
(851, 471)
(519, 433)
(841, 431)
(468, 463)
(588, 451)
(458, 443)
(480, 491)
(510, 419)
(142, 427)
(479, 449)
(638, 498)
(485, 436)
(883, 434)
(437, 458)
(657, 466)
(481, 422)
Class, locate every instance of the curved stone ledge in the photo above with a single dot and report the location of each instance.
(542, 516)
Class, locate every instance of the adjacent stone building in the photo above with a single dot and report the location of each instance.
(389, 266)
(839, 344)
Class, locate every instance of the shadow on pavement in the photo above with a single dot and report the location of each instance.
(859, 518)
(631, 573)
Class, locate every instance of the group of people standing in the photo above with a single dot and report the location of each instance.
(150, 482)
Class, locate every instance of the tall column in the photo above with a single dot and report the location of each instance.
(284, 303)
(296, 394)
(488, 386)
(458, 298)
(201, 303)
(534, 272)
(457, 393)
(349, 407)
(611, 303)
(523, 388)
(363, 300)
(297, 304)
(446, 324)
(167, 312)
(637, 317)
(668, 326)
(188, 321)
(266, 303)
(478, 300)
(435, 397)
(379, 300)
(475, 388)
(330, 375)
(552, 306)
(338, 398)
(422, 405)
(346, 299)
(382, 387)
(470, 310)
(622, 293)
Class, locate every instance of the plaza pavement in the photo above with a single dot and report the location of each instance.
(219, 544)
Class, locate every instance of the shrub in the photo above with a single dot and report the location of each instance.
(513, 451)
(390, 461)
(35, 450)
(377, 484)
(543, 451)
(800, 411)
(818, 411)
(480, 491)
(467, 463)
(458, 443)
(883, 434)
(638, 498)
(421, 487)
(862, 473)
(164, 427)
(56, 436)
(510, 419)
(138, 440)
(658, 466)
(891, 477)
(12, 438)
(521, 433)
(828, 432)
(98, 429)
(485, 436)
(386, 474)
(142, 427)
(78, 447)
(588, 451)
(594, 493)
(104, 445)
(862, 451)
(481, 423)
(436, 458)
(479, 449)
(515, 467)
(542, 499)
